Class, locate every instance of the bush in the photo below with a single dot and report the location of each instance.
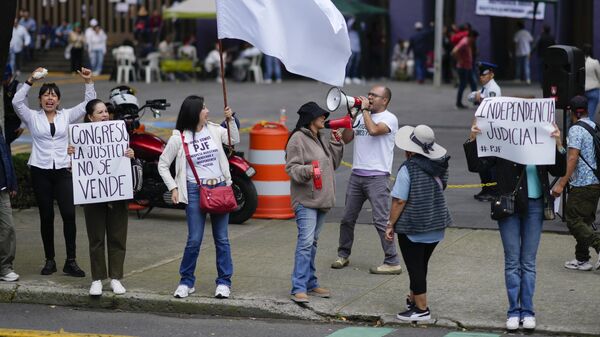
(25, 197)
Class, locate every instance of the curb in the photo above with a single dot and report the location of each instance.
(233, 307)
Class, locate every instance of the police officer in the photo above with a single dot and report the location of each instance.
(490, 89)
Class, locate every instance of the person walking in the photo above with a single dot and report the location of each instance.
(49, 162)
(464, 65)
(521, 231)
(373, 156)
(204, 141)
(419, 47)
(310, 162)
(584, 191)
(523, 42)
(18, 44)
(77, 43)
(272, 68)
(592, 81)
(96, 42)
(8, 188)
(106, 224)
(419, 213)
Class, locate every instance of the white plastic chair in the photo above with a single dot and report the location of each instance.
(255, 68)
(125, 58)
(152, 67)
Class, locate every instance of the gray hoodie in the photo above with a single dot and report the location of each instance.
(302, 148)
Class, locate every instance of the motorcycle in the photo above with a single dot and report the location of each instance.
(148, 147)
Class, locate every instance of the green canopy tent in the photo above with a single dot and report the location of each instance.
(192, 9)
(355, 7)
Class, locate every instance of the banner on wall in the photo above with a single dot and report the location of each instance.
(510, 9)
(517, 129)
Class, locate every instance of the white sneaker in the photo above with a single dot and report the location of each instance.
(96, 288)
(597, 266)
(222, 291)
(512, 323)
(347, 80)
(529, 322)
(578, 265)
(278, 80)
(117, 287)
(10, 277)
(356, 80)
(268, 81)
(183, 291)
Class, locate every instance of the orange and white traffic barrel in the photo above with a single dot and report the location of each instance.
(267, 156)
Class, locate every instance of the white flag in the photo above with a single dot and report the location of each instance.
(309, 36)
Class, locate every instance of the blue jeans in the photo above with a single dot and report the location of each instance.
(523, 65)
(464, 75)
(196, 220)
(96, 60)
(272, 67)
(593, 96)
(520, 238)
(309, 222)
(353, 66)
(420, 67)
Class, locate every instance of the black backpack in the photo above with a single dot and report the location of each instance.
(595, 132)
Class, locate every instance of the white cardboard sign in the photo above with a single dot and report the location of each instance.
(517, 129)
(101, 172)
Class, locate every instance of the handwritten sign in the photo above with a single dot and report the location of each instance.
(101, 172)
(517, 129)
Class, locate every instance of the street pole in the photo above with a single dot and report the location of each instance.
(437, 51)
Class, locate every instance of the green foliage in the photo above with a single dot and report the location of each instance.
(24, 197)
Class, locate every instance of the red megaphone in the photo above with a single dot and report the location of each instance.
(339, 123)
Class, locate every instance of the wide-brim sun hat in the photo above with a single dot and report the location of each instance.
(421, 140)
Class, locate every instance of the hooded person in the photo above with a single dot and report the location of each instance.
(419, 213)
(310, 162)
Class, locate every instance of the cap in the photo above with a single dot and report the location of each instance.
(93, 22)
(486, 67)
(578, 104)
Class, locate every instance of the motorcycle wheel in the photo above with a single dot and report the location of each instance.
(246, 197)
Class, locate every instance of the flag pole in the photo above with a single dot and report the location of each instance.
(224, 89)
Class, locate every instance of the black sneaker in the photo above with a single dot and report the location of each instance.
(49, 268)
(414, 314)
(72, 269)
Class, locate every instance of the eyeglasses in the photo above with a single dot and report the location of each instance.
(374, 95)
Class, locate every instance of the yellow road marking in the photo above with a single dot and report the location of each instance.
(40, 333)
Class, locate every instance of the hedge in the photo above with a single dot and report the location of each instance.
(24, 197)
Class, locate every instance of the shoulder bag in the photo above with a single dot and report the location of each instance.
(216, 200)
(504, 205)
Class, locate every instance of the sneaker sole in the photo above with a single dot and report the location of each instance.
(191, 291)
(377, 272)
(9, 279)
(414, 319)
(339, 266)
(299, 301)
(221, 296)
(312, 293)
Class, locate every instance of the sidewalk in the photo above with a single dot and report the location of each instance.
(466, 280)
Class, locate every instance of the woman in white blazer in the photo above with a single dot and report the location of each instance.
(205, 143)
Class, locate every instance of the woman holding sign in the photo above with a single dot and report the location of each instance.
(105, 222)
(50, 164)
(525, 189)
(200, 142)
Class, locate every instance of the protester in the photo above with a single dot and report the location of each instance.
(30, 24)
(205, 140)
(50, 164)
(592, 81)
(8, 188)
(188, 50)
(353, 66)
(312, 194)
(155, 24)
(61, 34)
(419, 211)
(212, 63)
(373, 156)
(419, 47)
(584, 191)
(106, 224)
(96, 42)
(521, 231)
(20, 39)
(243, 61)
(490, 89)
(464, 59)
(402, 64)
(523, 42)
(77, 43)
(166, 48)
(13, 127)
(545, 40)
(272, 68)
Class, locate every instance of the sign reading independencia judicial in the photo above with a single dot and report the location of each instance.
(517, 129)
(101, 172)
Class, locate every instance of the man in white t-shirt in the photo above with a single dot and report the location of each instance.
(373, 157)
(523, 42)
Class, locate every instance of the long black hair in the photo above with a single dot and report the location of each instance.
(89, 109)
(189, 113)
(49, 87)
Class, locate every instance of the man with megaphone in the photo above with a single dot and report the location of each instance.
(373, 134)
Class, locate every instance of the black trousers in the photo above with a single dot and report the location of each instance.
(416, 257)
(50, 185)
